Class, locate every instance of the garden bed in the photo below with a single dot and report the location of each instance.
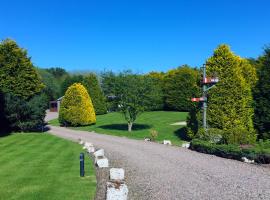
(260, 152)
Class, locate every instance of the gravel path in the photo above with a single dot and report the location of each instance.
(155, 171)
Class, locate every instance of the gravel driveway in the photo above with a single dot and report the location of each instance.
(155, 171)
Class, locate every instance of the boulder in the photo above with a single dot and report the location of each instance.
(116, 191)
(117, 174)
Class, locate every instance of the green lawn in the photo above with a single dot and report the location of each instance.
(41, 166)
(114, 124)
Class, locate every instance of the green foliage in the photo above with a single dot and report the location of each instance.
(153, 134)
(212, 135)
(25, 115)
(4, 128)
(76, 107)
(17, 73)
(262, 96)
(68, 81)
(260, 152)
(52, 88)
(180, 85)
(57, 72)
(134, 95)
(109, 87)
(230, 102)
(157, 95)
(239, 135)
(91, 83)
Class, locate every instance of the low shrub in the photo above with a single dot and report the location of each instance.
(153, 135)
(260, 152)
(239, 135)
(22, 115)
(212, 135)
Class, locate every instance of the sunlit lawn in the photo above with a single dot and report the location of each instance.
(41, 166)
(114, 124)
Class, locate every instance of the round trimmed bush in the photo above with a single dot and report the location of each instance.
(76, 107)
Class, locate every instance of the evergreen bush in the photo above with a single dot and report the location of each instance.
(76, 107)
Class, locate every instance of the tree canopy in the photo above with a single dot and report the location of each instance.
(262, 96)
(230, 102)
(180, 85)
(17, 73)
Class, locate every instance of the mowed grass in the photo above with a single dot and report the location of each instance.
(115, 124)
(41, 166)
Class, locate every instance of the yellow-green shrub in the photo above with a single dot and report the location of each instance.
(76, 107)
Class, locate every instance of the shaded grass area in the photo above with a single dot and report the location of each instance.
(114, 124)
(42, 166)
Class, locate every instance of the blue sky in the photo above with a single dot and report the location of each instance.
(140, 35)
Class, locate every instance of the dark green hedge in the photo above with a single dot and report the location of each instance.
(260, 152)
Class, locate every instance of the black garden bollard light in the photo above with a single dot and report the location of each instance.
(82, 164)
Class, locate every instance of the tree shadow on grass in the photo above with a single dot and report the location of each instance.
(181, 133)
(124, 127)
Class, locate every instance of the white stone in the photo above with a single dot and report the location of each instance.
(99, 153)
(81, 142)
(117, 174)
(116, 192)
(244, 159)
(102, 162)
(147, 139)
(186, 145)
(167, 142)
(91, 149)
(88, 144)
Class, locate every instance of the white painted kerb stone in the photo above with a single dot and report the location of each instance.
(117, 174)
(91, 149)
(99, 153)
(102, 162)
(116, 192)
(168, 142)
(244, 159)
(185, 145)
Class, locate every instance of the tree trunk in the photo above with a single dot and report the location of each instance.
(130, 126)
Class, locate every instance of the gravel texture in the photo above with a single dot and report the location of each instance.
(155, 171)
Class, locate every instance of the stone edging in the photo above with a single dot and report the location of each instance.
(116, 186)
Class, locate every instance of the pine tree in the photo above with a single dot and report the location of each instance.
(76, 107)
(262, 96)
(230, 102)
(91, 83)
(17, 73)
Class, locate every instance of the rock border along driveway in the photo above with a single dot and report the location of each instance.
(155, 171)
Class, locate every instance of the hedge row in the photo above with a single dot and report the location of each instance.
(260, 152)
